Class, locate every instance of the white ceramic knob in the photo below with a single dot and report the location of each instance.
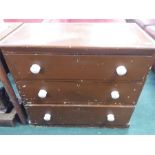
(35, 69)
(110, 117)
(42, 93)
(115, 94)
(121, 70)
(47, 117)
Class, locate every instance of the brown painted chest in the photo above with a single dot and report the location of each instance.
(79, 73)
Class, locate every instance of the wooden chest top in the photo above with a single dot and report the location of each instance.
(7, 28)
(79, 35)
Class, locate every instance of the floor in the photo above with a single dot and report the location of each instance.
(142, 121)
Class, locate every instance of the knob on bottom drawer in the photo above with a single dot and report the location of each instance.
(110, 117)
(47, 117)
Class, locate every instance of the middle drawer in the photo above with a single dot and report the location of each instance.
(78, 92)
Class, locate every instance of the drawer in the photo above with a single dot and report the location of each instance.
(78, 67)
(112, 116)
(79, 92)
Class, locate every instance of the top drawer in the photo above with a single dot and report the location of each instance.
(79, 67)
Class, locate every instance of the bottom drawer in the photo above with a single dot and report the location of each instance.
(74, 115)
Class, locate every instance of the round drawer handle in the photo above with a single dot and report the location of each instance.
(42, 93)
(110, 117)
(115, 94)
(47, 117)
(121, 70)
(35, 69)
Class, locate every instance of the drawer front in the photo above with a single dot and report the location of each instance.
(77, 115)
(79, 92)
(78, 67)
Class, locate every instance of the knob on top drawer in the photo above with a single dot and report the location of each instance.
(121, 70)
(35, 68)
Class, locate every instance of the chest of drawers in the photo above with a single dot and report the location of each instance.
(79, 74)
